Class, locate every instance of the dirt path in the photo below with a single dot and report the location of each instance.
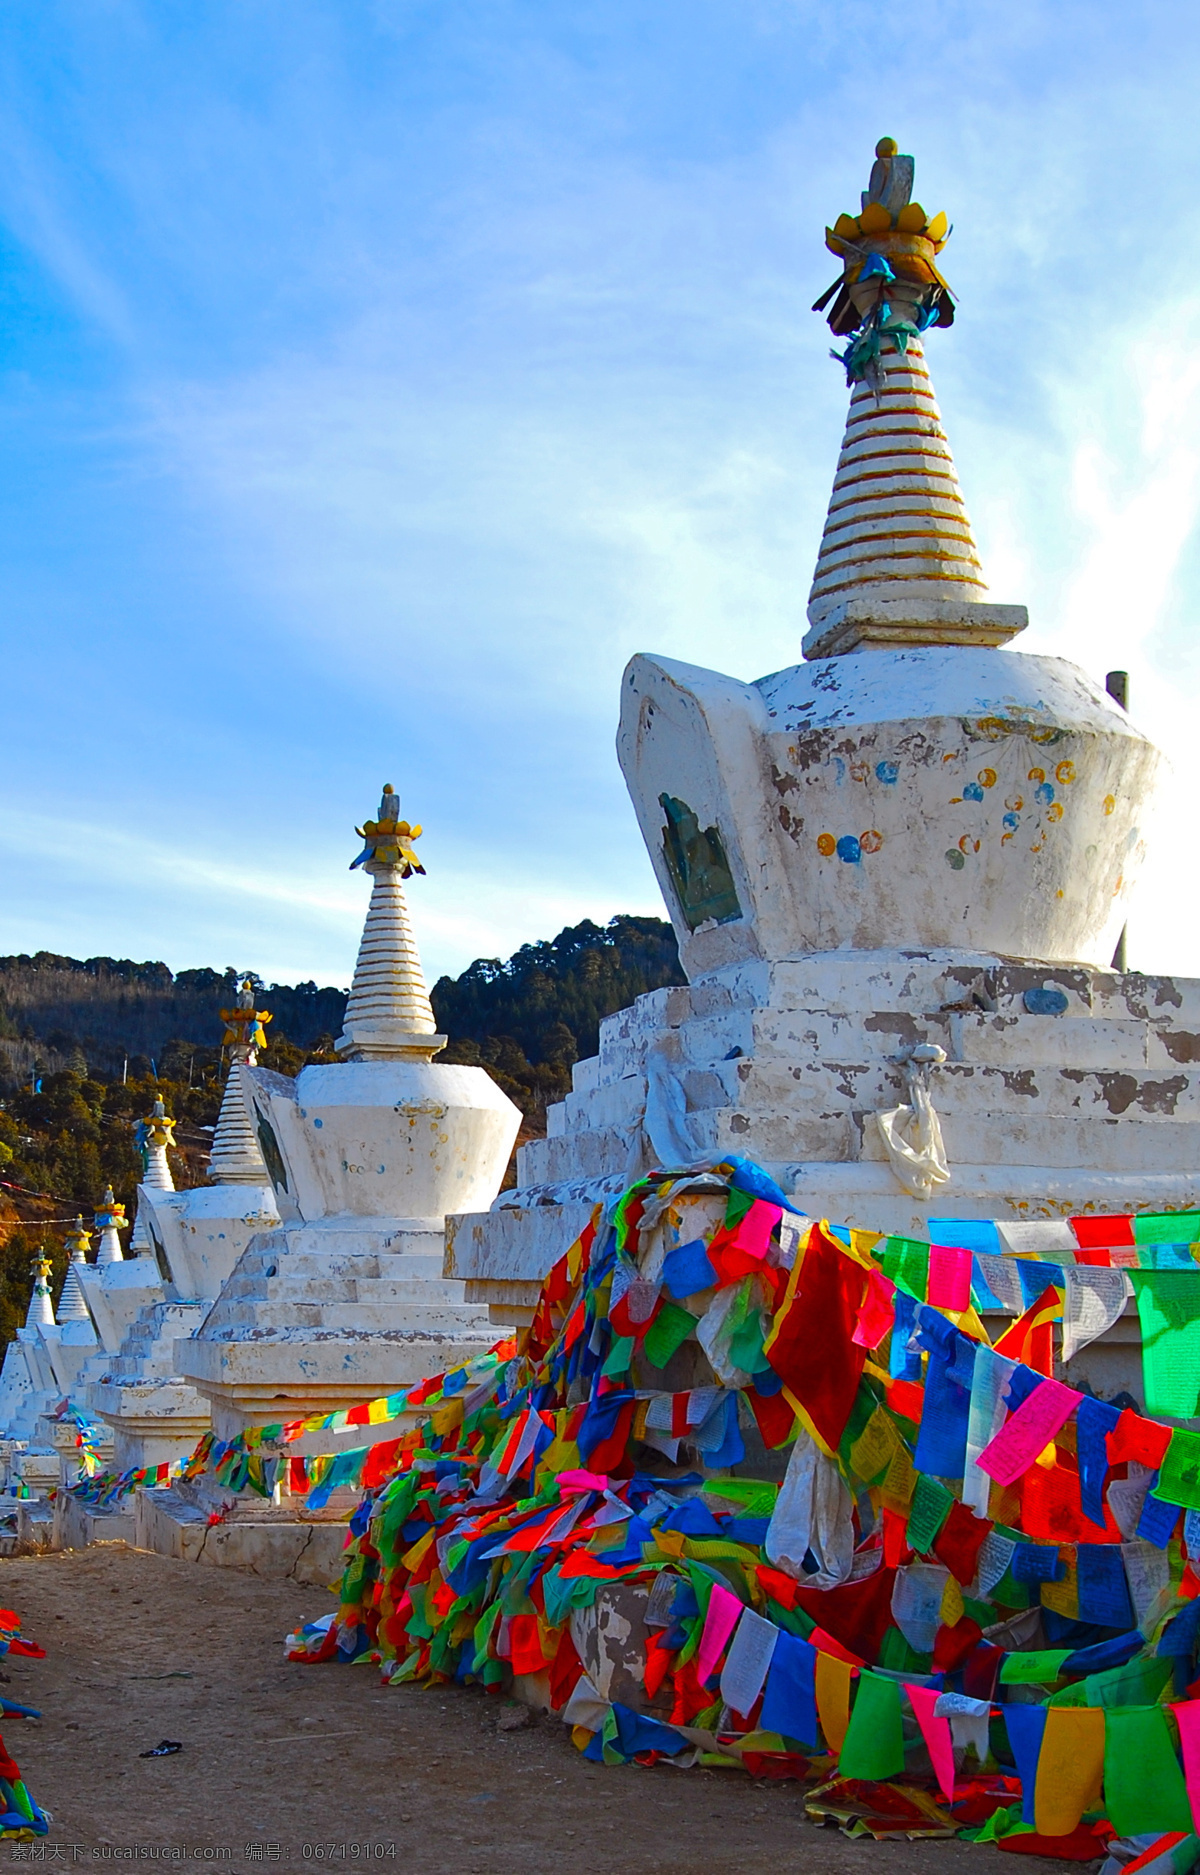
(277, 1757)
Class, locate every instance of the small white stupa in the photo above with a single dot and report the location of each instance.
(153, 1135)
(117, 1287)
(346, 1298)
(69, 1339)
(196, 1237)
(110, 1222)
(72, 1306)
(29, 1386)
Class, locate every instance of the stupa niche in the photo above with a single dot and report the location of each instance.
(896, 871)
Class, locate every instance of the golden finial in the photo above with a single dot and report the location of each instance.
(889, 289)
(389, 840)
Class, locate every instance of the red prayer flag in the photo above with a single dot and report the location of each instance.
(960, 1540)
(566, 1671)
(1102, 1232)
(1143, 1440)
(775, 1419)
(858, 1614)
(525, 1642)
(811, 1345)
(1031, 1337)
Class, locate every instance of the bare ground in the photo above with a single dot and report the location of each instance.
(299, 1765)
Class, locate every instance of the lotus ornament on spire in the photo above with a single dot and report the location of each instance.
(890, 287)
(389, 840)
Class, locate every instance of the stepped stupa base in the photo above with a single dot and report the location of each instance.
(155, 1417)
(282, 1543)
(322, 1316)
(1064, 1091)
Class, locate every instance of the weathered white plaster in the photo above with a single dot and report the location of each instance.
(951, 798)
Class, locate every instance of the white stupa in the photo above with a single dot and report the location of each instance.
(72, 1306)
(198, 1235)
(29, 1384)
(153, 1134)
(346, 1298)
(110, 1222)
(195, 1238)
(117, 1286)
(40, 1312)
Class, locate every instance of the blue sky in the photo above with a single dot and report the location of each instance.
(377, 377)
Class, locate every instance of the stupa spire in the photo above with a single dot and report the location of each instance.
(898, 563)
(41, 1308)
(71, 1304)
(389, 1012)
(236, 1158)
(110, 1222)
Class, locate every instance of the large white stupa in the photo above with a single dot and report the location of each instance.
(897, 872)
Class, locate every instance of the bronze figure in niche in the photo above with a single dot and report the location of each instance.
(698, 866)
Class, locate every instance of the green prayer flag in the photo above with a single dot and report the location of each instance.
(929, 1511)
(1037, 1669)
(898, 1656)
(1073, 1695)
(874, 1743)
(1167, 1227)
(1002, 1822)
(1167, 1304)
(668, 1331)
(1138, 1683)
(746, 1342)
(906, 1263)
(749, 1497)
(620, 1355)
(1179, 1478)
(1144, 1789)
(736, 1206)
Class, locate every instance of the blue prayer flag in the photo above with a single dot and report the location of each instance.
(790, 1697)
(1103, 1590)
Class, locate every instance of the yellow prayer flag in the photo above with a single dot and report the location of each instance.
(1070, 1771)
(901, 1481)
(1063, 1597)
(448, 1418)
(875, 1446)
(412, 1558)
(833, 1698)
(953, 1606)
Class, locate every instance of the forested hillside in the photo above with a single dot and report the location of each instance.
(85, 1047)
